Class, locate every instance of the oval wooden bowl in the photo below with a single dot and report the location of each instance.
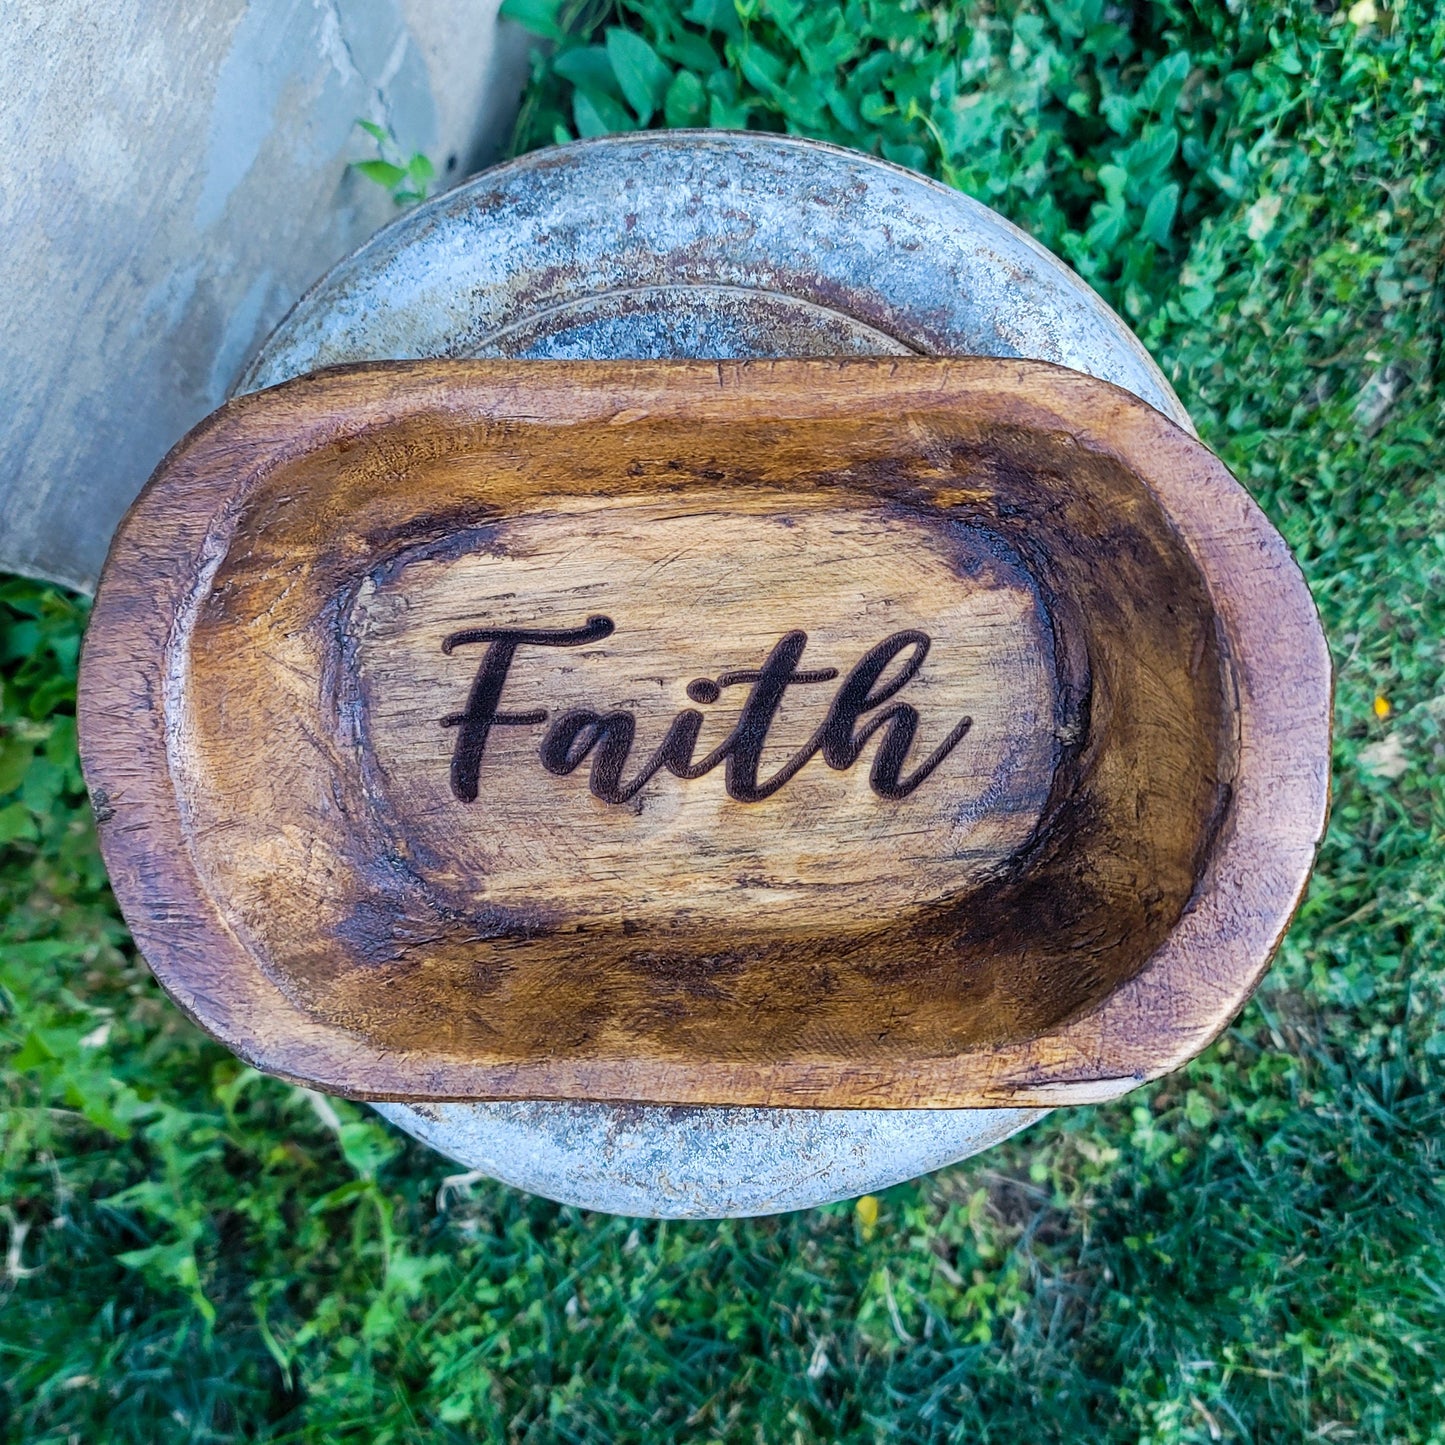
(862, 733)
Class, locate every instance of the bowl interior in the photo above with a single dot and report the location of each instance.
(1024, 878)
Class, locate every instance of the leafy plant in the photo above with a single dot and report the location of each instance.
(1089, 126)
(407, 177)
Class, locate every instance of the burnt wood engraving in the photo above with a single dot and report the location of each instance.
(850, 734)
(608, 737)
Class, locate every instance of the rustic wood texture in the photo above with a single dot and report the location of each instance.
(987, 719)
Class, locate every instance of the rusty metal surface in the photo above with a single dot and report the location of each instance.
(704, 244)
(702, 1163)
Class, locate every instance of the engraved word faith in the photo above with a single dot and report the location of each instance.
(607, 737)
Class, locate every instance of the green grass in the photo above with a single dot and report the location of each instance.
(1253, 1249)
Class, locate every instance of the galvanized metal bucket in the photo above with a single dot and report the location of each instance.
(716, 245)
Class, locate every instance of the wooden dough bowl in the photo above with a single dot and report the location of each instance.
(865, 733)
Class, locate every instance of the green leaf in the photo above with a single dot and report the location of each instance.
(763, 70)
(1160, 88)
(642, 77)
(38, 952)
(1159, 216)
(719, 16)
(366, 1146)
(905, 153)
(20, 639)
(380, 1320)
(725, 114)
(875, 108)
(1113, 179)
(689, 51)
(44, 783)
(1198, 1110)
(787, 15)
(16, 824)
(54, 692)
(66, 651)
(32, 1054)
(173, 1264)
(1149, 157)
(1068, 17)
(588, 67)
(378, 133)
(599, 114)
(104, 1104)
(538, 16)
(382, 172)
(14, 760)
(825, 44)
(843, 109)
(346, 1193)
(807, 100)
(1118, 110)
(685, 103)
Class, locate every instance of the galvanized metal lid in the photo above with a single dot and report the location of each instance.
(715, 245)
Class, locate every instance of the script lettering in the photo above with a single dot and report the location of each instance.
(607, 737)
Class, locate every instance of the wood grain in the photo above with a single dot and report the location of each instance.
(1040, 851)
(699, 589)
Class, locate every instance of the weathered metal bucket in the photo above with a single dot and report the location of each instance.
(704, 245)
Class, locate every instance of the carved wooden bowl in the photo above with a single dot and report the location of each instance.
(862, 733)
